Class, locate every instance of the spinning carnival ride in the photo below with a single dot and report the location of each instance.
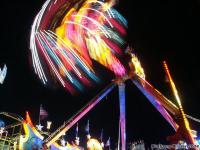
(31, 138)
(67, 36)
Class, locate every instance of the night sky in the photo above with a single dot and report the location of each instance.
(158, 30)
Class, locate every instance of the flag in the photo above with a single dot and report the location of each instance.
(87, 128)
(77, 130)
(43, 113)
(77, 141)
(108, 142)
(101, 136)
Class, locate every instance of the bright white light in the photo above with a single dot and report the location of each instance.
(3, 73)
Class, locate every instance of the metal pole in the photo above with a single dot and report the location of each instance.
(156, 100)
(122, 106)
(66, 126)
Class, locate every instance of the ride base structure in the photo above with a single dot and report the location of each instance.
(23, 135)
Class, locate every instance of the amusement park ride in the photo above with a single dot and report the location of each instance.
(66, 37)
(23, 135)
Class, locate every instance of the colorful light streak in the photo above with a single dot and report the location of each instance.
(175, 92)
(66, 36)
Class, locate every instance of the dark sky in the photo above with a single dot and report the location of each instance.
(158, 30)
